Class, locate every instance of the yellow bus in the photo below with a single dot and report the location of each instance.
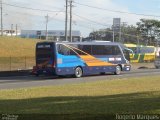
(142, 53)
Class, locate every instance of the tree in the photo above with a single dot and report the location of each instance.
(149, 30)
(128, 34)
(103, 34)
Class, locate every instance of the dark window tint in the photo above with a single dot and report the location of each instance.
(105, 50)
(98, 49)
(116, 50)
(77, 49)
(73, 49)
(87, 49)
(44, 51)
(65, 50)
(43, 56)
(146, 49)
(81, 49)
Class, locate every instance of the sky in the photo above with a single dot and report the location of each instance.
(85, 19)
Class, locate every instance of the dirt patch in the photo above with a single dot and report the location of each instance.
(142, 66)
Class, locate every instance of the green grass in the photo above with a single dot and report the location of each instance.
(137, 95)
(15, 63)
(17, 47)
(17, 53)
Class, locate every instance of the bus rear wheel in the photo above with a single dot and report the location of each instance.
(118, 70)
(78, 72)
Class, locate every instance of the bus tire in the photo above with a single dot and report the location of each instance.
(78, 72)
(118, 70)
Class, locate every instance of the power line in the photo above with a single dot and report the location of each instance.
(116, 11)
(110, 31)
(29, 8)
(30, 14)
(63, 11)
(125, 34)
(70, 31)
(24, 13)
(47, 17)
(84, 26)
(51, 18)
(90, 20)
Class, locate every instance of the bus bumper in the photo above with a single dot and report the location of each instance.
(126, 68)
(43, 71)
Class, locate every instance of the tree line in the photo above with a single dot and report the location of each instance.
(146, 32)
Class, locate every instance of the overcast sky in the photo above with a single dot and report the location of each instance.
(86, 19)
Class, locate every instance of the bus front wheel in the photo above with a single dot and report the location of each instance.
(118, 70)
(78, 72)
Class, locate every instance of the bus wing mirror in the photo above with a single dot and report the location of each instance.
(130, 53)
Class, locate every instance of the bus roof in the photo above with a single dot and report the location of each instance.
(134, 45)
(84, 43)
(130, 45)
(150, 46)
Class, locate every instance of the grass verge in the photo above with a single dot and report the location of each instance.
(137, 95)
(17, 53)
(17, 47)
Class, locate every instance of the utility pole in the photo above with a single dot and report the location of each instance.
(113, 28)
(70, 33)
(66, 22)
(47, 26)
(16, 29)
(113, 35)
(1, 19)
(11, 29)
(137, 40)
(120, 33)
(124, 24)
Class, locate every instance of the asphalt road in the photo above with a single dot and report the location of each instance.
(32, 81)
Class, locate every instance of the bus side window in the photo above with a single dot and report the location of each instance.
(108, 50)
(87, 49)
(98, 50)
(63, 50)
(116, 50)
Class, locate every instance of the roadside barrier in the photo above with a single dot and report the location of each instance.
(16, 63)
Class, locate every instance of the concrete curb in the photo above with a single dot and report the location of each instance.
(15, 73)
